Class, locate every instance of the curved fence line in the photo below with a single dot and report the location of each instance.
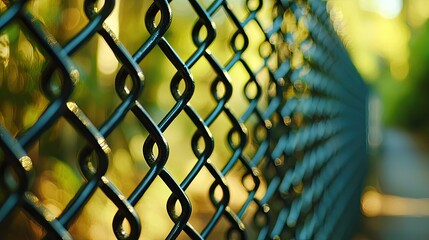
(243, 119)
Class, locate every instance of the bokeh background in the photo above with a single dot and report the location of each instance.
(387, 40)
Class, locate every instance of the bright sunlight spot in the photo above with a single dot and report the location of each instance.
(386, 8)
(106, 60)
(376, 204)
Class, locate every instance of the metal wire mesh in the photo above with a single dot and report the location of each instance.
(269, 79)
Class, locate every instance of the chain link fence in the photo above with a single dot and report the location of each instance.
(178, 119)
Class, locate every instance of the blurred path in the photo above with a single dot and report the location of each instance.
(400, 174)
(403, 167)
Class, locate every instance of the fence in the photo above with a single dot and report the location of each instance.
(261, 135)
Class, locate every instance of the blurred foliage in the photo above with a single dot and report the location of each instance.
(412, 110)
(392, 53)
